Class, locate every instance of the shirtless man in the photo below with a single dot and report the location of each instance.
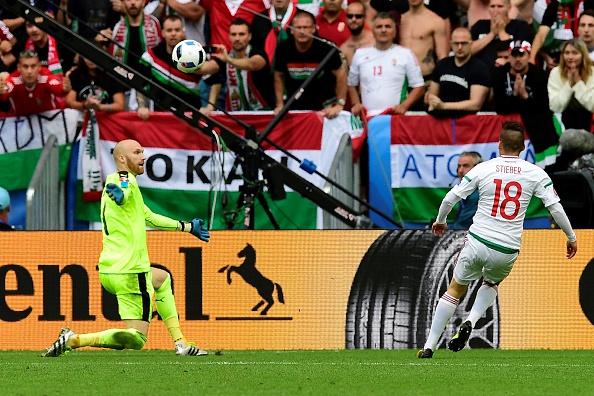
(360, 36)
(424, 32)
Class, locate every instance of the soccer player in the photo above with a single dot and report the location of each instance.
(506, 184)
(124, 266)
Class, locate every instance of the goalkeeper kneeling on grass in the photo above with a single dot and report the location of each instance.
(124, 266)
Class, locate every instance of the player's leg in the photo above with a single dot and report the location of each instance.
(497, 268)
(168, 312)
(134, 293)
(466, 269)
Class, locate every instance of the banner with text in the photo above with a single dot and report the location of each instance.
(413, 160)
(280, 290)
(182, 173)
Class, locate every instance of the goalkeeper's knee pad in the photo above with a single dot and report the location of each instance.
(133, 339)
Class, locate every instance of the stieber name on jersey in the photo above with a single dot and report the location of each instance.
(516, 170)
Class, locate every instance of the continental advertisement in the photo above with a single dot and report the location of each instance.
(283, 290)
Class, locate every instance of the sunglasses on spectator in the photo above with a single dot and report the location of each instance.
(462, 43)
(358, 16)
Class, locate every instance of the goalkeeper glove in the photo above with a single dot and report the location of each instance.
(199, 230)
(115, 193)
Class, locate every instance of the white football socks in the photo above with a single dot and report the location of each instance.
(484, 298)
(444, 311)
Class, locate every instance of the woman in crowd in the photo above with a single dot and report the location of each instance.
(571, 86)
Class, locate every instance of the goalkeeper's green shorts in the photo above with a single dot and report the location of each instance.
(134, 293)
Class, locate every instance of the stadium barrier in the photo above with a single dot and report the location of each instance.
(45, 194)
(328, 289)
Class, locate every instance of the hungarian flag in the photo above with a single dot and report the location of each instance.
(413, 161)
(186, 177)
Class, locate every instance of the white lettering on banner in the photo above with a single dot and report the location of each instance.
(436, 166)
(31, 132)
(178, 169)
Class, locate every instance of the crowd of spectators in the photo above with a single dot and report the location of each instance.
(446, 57)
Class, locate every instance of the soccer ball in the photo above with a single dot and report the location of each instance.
(188, 55)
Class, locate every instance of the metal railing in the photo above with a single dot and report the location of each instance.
(45, 194)
(343, 171)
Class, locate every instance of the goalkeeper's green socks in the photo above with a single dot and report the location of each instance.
(111, 338)
(167, 309)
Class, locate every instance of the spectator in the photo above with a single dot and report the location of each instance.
(222, 13)
(157, 64)
(332, 22)
(586, 30)
(360, 36)
(488, 33)
(479, 9)
(571, 86)
(521, 87)
(460, 83)
(191, 13)
(502, 54)
(386, 90)
(7, 41)
(45, 46)
(4, 209)
(295, 61)
(468, 205)
(31, 89)
(249, 81)
(268, 31)
(424, 32)
(91, 17)
(132, 36)
(92, 89)
(561, 18)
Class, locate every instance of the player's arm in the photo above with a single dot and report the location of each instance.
(445, 208)
(562, 221)
(195, 227)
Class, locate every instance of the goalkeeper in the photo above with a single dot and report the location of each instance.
(124, 266)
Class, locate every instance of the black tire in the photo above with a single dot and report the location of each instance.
(397, 285)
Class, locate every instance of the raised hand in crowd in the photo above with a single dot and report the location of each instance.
(520, 87)
(66, 82)
(3, 85)
(117, 5)
(573, 75)
(222, 54)
(104, 36)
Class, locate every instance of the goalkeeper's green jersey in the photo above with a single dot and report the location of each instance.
(124, 228)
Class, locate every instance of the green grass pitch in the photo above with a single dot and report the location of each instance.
(344, 372)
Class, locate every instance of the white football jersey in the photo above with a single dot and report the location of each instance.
(384, 76)
(505, 184)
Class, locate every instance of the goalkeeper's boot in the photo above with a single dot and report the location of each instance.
(188, 349)
(459, 341)
(425, 354)
(60, 346)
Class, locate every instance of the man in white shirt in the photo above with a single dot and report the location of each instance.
(506, 185)
(383, 72)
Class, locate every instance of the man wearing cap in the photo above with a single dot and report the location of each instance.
(487, 33)
(521, 87)
(4, 209)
